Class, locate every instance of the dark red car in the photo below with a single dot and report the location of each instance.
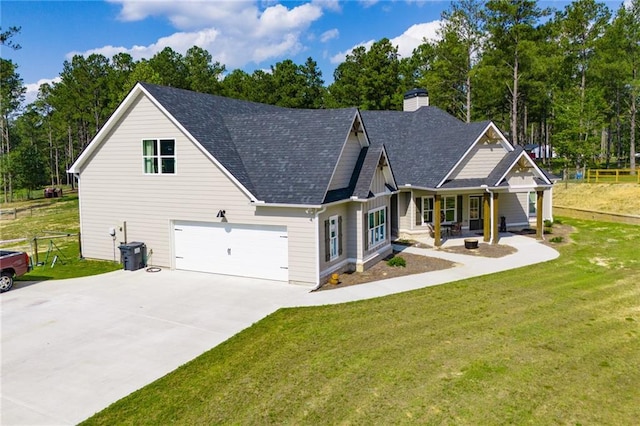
(12, 264)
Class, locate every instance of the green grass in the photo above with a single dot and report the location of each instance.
(51, 217)
(557, 342)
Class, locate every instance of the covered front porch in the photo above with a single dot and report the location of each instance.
(470, 213)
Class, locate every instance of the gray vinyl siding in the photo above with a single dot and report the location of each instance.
(514, 207)
(114, 190)
(346, 164)
(482, 159)
(406, 208)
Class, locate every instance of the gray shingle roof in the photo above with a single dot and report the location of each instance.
(425, 144)
(280, 155)
(284, 155)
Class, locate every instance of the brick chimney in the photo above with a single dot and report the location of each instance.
(414, 99)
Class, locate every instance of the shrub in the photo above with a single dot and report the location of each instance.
(397, 261)
(556, 239)
(548, 223)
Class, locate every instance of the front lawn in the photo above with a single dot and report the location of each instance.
(551, 343)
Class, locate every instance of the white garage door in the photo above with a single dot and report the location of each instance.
(232, 249)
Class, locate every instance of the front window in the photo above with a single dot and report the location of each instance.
(427, 210)
(532, 204)
(333, 237)
(447, 209)
(159, 156)
(377, 227)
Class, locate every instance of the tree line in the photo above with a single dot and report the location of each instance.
(568, 79)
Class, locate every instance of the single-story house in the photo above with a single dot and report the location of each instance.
(234, 187)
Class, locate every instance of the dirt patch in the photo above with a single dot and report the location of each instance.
(483, 250)
(416, 264)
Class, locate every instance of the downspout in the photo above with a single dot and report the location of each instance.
(491, 212)
(316, 216)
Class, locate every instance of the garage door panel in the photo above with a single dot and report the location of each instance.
(232, 249)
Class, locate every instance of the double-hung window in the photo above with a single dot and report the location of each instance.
(427, 210)
(159, 156)
(532, 204)
(449, 209)
(333, 238)
(377, 227)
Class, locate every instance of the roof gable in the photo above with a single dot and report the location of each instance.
(427, 143)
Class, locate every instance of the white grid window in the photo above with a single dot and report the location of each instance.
(159, 156)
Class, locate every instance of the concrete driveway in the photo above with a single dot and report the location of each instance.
(70, 348)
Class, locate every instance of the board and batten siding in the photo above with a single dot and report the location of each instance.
(114, 189)
(378, 185)
(346, 164)
(517, 178)
(481, 160)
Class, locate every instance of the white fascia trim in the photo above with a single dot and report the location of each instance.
(419, 188)
(386, 157)
(503, 141)
(97, 139)
(364, 130)
(530, 161)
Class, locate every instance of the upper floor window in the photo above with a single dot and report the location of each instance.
(159, 156)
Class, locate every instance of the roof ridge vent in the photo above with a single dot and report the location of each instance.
(414, 99)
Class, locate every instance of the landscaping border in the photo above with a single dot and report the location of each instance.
(595, 215)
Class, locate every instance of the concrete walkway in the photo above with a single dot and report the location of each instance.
(72, 347)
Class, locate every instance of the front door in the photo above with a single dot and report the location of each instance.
(475, 213)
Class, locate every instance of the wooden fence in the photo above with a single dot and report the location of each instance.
(612, 176)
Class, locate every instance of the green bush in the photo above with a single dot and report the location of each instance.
(556, 239)
(548, 223)
(397, 261)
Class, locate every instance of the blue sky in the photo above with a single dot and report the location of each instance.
(240, 34)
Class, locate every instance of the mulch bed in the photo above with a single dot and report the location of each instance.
(416, 264)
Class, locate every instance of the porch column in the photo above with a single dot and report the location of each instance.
(436, 220)
(496, 220)
(486, 217)
(539, 228)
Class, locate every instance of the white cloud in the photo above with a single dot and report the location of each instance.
(339, 57)
(31, 93)
(368, 3)
(405, 42)
(328, 35)
(414, 37)
(234, 32)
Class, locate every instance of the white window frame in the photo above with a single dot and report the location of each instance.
(443, 209)
(334, 244)
(532, 204)
(157, 157)
(378, 232)
(425, 200)
(453, 209)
